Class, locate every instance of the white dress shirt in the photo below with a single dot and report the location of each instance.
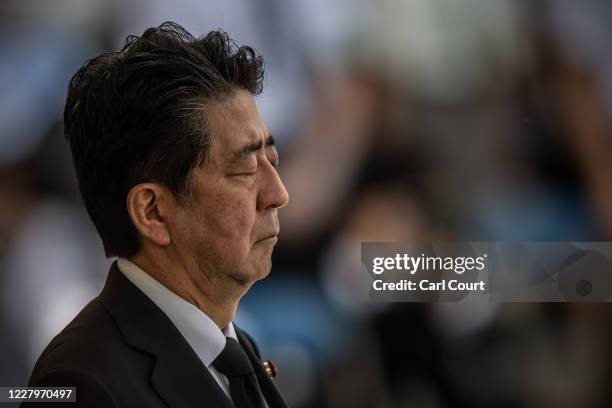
(200, 331)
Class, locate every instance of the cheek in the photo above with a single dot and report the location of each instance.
(231, 220)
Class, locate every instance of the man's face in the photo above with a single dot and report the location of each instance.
(229, 229)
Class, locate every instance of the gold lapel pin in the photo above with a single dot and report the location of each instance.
(270, 368)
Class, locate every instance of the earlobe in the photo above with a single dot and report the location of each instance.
(145, 205)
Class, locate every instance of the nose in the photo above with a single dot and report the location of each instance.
(273, 193)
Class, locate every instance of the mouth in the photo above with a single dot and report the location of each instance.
(271, 237)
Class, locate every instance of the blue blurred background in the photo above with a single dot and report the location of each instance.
(416, 120)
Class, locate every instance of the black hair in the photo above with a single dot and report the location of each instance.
(135, 115)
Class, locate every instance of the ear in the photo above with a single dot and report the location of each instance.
(148, 205)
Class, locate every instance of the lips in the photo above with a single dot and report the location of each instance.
(270, 236)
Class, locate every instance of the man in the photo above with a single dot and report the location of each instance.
(178, 173)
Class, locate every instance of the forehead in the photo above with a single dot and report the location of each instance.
(233, 122)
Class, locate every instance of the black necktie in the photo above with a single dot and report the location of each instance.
(235, 365)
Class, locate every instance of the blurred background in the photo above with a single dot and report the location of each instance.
(416, 120)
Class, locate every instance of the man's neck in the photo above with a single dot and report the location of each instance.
(216, 298)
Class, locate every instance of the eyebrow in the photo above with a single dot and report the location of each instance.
(251, 147)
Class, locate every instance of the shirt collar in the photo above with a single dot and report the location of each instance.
(199, 330)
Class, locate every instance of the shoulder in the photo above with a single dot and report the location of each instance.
(87, 344)
(89, 391)
(79, 356)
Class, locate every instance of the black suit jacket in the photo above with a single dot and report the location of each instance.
(121, 350)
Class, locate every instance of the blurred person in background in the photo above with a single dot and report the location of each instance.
(46, 240)
(444, 119)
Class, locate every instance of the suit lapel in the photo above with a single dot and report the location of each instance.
(268, 388)
(179, 376)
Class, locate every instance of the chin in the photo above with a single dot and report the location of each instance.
(253, 274)
(262, 272)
